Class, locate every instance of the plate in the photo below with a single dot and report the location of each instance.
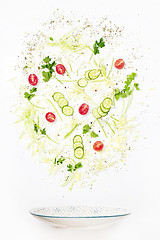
(79, 216)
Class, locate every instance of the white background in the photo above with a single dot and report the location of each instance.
(25, 185)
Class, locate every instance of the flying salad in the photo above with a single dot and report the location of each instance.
(75, 94)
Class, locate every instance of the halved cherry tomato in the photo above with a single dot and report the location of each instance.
(83, 109)
(33, 79)
(98, 146)
(60, 69)
(119, 63)
(50, 117)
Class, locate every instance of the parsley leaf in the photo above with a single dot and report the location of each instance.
(93, 134)
(43, 131)
(101, 43)
(98, 45)
(86, 128)
(70, 168)
(28, 96)
(136, 85)
(47, 76)
(51, 38)
(96, 49)
(59, 161)
(47, 59)
(78, 165)
(34, 89)
(36, 128)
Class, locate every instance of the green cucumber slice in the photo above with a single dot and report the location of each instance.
(62, 102)
(82, 82)
(94, 74)
(103, 114)
(107, 102)
(105, 110)
(57, 95)
(77, 144)
(79, 152)
(77, 138)
(86, 74)
(95, 113)
(67, 110)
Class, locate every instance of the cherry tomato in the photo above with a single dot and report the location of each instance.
(60, 69)
(119, 63)
(83, 109)
(50, 117)
(33, 79)
(98, 146)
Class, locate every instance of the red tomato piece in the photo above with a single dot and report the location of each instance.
(119, 63)
(83, 109)
(33, 79)
(98, 146)
(50, 117)
(60, 69)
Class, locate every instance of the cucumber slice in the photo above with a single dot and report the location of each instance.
(94, 74)
(86, 74)
(57, 95)
(95, 113)
(79, 152)
(107, 102)
(82, 82)
(77, 144)
(67, 110)
(105, 110)
(103, 114)
(62, 102)
(77, 138)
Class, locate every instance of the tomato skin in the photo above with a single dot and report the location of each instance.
(83, 109)
(98, 146)
(50, 117)
(60, 69)
(119, 63)
(33, 79)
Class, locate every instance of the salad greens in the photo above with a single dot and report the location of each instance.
(87, 79)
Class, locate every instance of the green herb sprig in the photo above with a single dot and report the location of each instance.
(87, 128)
(127, 90)
(59, 161)
(98, 45)
(48, 65)
(30, 95)
(72, 168)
